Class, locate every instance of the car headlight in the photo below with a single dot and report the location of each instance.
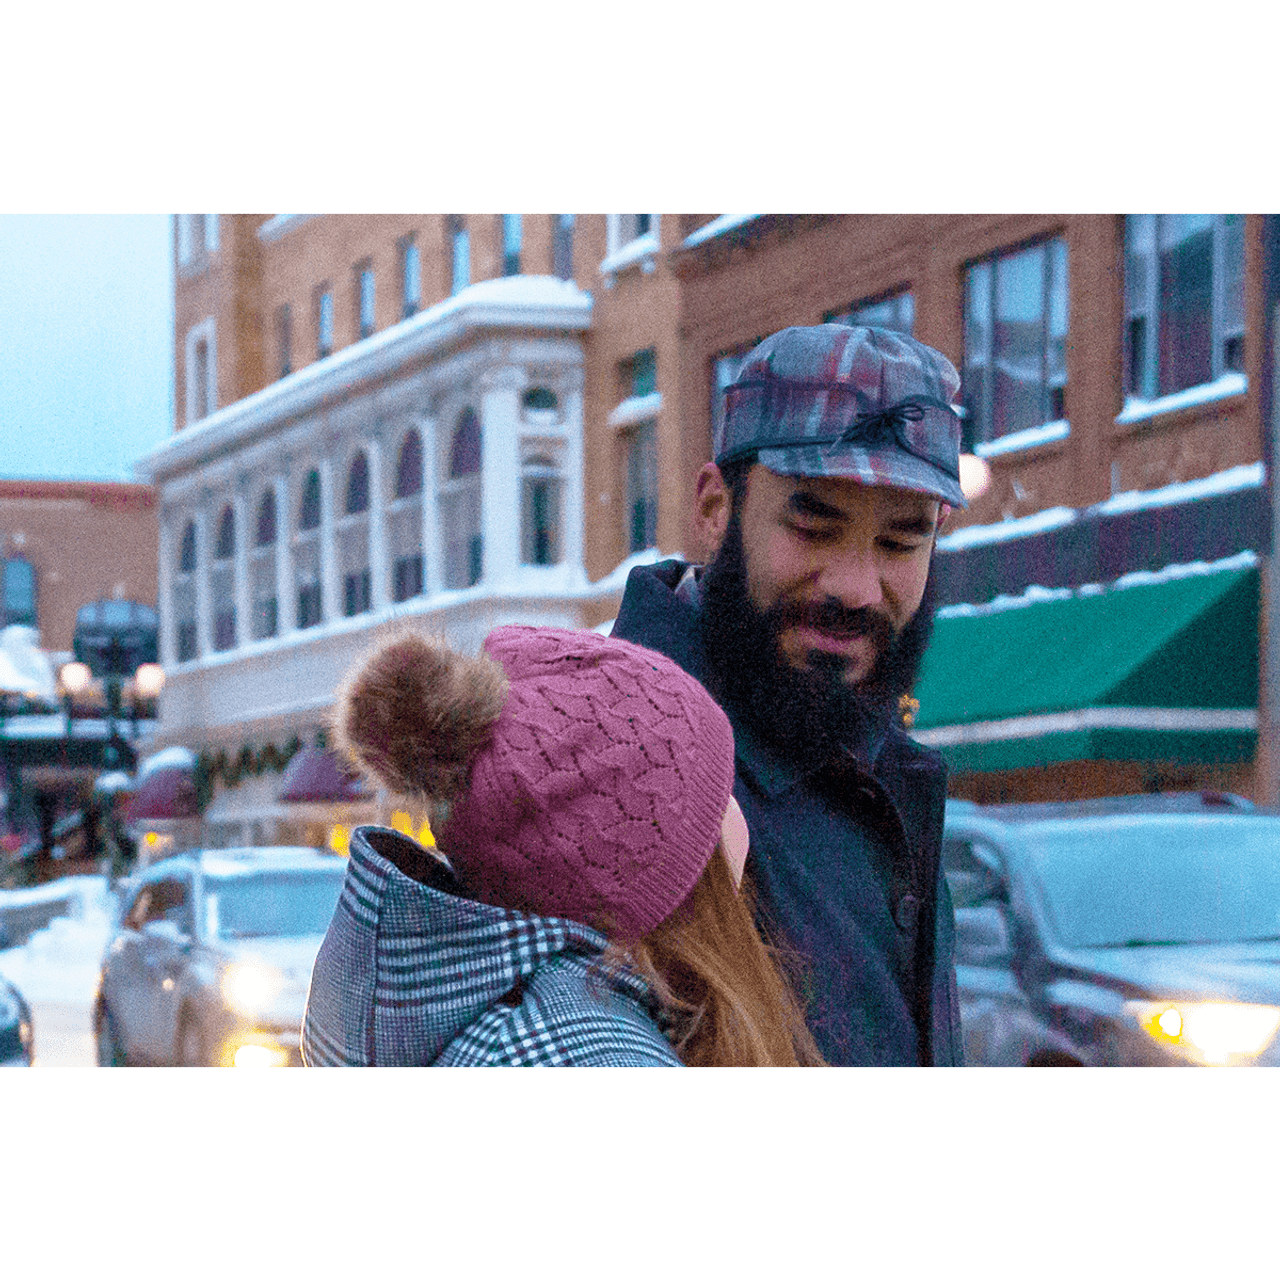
(1214, 1031)
(249, 987)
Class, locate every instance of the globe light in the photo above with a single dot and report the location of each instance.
(975, 476)
(75, 677)
(149, 679)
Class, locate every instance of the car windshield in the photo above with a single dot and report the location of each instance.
(272, 904)
(1184, 878)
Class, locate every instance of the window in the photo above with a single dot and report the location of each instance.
(540, 511)
(642, 487)
(724, 370)
(1184, 301)
(459, 252)
(262, 569)
(894, 311)
(562, 246)
(460, 506)
(306, 553)
(184, 596)
(365, 298)
(404, 521)
(539, 400)
(631, 226)
(510, 244)
(640, 373)
(353, 541)
(197, 237)
(222, 582)
(201, 371)
(284, 340)
(410, 278)
(324, 322)
(1015, 341)
(19, 593)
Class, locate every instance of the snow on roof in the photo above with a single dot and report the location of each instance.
(717, 227)
(168, 758)
(1142, 578)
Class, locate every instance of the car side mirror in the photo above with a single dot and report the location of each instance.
(982, 935)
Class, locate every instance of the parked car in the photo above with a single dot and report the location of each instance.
(1134, 931)
(210, 963)
(16, 1046)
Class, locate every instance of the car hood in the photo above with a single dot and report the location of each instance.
(1244, 971)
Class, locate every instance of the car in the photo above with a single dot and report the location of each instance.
(1128, 931)
(16, 1045)
(211, 960)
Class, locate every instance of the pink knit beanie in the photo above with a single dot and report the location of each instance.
(597, 792)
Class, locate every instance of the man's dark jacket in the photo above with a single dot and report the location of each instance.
(846, 865)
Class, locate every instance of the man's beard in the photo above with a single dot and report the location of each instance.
(810, 714)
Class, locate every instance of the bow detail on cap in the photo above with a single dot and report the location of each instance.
(888, 427)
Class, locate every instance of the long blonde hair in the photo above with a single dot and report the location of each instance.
(725, 993)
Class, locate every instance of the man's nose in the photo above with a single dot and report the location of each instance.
(854, 580)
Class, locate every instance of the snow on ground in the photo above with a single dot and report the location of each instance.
(59, 963)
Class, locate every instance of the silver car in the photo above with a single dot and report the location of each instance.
(212, 958)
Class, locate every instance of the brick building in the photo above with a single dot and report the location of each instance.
(472, 419)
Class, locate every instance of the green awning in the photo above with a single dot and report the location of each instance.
(1167, 669)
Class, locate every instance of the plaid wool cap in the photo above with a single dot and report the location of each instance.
(869, 404)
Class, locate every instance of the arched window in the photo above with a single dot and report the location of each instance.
(409, 465)
(460, 506)
(19, 593)
(187, 555)
(266, 535)
(404, 520)
(358, 485)
(184, 596)
(309, 508)
(540, 493)
(222, 582)
(306, 553)
(262, 569)
(353, 541)
(540, 400)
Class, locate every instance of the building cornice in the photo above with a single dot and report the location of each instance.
(508, 303)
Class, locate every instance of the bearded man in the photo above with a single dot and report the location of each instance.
(839, 459)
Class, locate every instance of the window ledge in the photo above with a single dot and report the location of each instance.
(1136, 410)
(636, 409)
(642, 252)
(1029, 438)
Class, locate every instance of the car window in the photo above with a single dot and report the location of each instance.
(272, 904)
(167, 899)
(1175, 879)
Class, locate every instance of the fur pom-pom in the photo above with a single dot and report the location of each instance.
(416, 714)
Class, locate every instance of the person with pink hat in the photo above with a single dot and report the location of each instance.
(582, 907)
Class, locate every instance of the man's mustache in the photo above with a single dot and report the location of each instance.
(834, 618)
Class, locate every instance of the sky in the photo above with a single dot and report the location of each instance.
(86, 341)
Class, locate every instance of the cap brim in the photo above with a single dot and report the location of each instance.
(898, 471)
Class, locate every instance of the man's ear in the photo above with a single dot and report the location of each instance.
(711, 509)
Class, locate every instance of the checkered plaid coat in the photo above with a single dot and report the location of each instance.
(410, 976)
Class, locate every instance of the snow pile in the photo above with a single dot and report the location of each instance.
(60, 962)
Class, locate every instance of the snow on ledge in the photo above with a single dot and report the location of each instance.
(643, 249)
(1136, 410)
(276, 226)
(1232, 480)
(1027, 439)
(981, 534)
(636, 409)
(718, 227)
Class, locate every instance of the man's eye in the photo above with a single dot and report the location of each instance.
(894, 547)
(811, 533)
